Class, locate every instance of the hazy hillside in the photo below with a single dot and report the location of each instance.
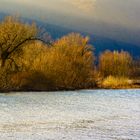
(100, 43)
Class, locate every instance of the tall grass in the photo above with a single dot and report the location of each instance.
(116, 82)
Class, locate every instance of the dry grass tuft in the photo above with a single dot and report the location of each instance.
(116, 82)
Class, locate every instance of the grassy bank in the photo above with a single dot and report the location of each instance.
(118, 83)
(108, 83)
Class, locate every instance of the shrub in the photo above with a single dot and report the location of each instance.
(68, 63)
(31, 80)
(135, 72)
(116, 82)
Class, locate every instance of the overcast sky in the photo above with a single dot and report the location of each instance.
(89, 15)
(124, 12)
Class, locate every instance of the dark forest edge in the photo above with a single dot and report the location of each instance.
(31, 61)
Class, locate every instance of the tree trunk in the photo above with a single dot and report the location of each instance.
(2, 63)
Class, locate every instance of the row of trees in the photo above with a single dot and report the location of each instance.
(31, 62)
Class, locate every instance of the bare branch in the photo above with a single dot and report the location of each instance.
(26, 40)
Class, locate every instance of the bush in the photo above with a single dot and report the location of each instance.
(135, 72)
(68, 63)
(31, 80)
(116, 82)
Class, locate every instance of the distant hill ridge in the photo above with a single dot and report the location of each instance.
(100, 43)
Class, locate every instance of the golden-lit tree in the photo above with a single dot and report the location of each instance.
(135, 73)
(70, 61)
(115, 63)
(13, 34)
(76, 59)
(65, 65)
(14, 37)
(31, 74)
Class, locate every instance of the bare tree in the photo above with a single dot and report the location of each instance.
(13, 36)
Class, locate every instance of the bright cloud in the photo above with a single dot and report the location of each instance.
(117, 12)
(85, 5)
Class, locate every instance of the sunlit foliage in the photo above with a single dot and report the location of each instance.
(71, 61)
(115, 63)
(135, 71)
(13, 34)
(32, 63)
(116, 82)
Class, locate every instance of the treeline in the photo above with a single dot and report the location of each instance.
(31, 60)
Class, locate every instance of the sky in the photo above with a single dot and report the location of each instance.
(87, 15)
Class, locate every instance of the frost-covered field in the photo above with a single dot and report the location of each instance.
(81, 115)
